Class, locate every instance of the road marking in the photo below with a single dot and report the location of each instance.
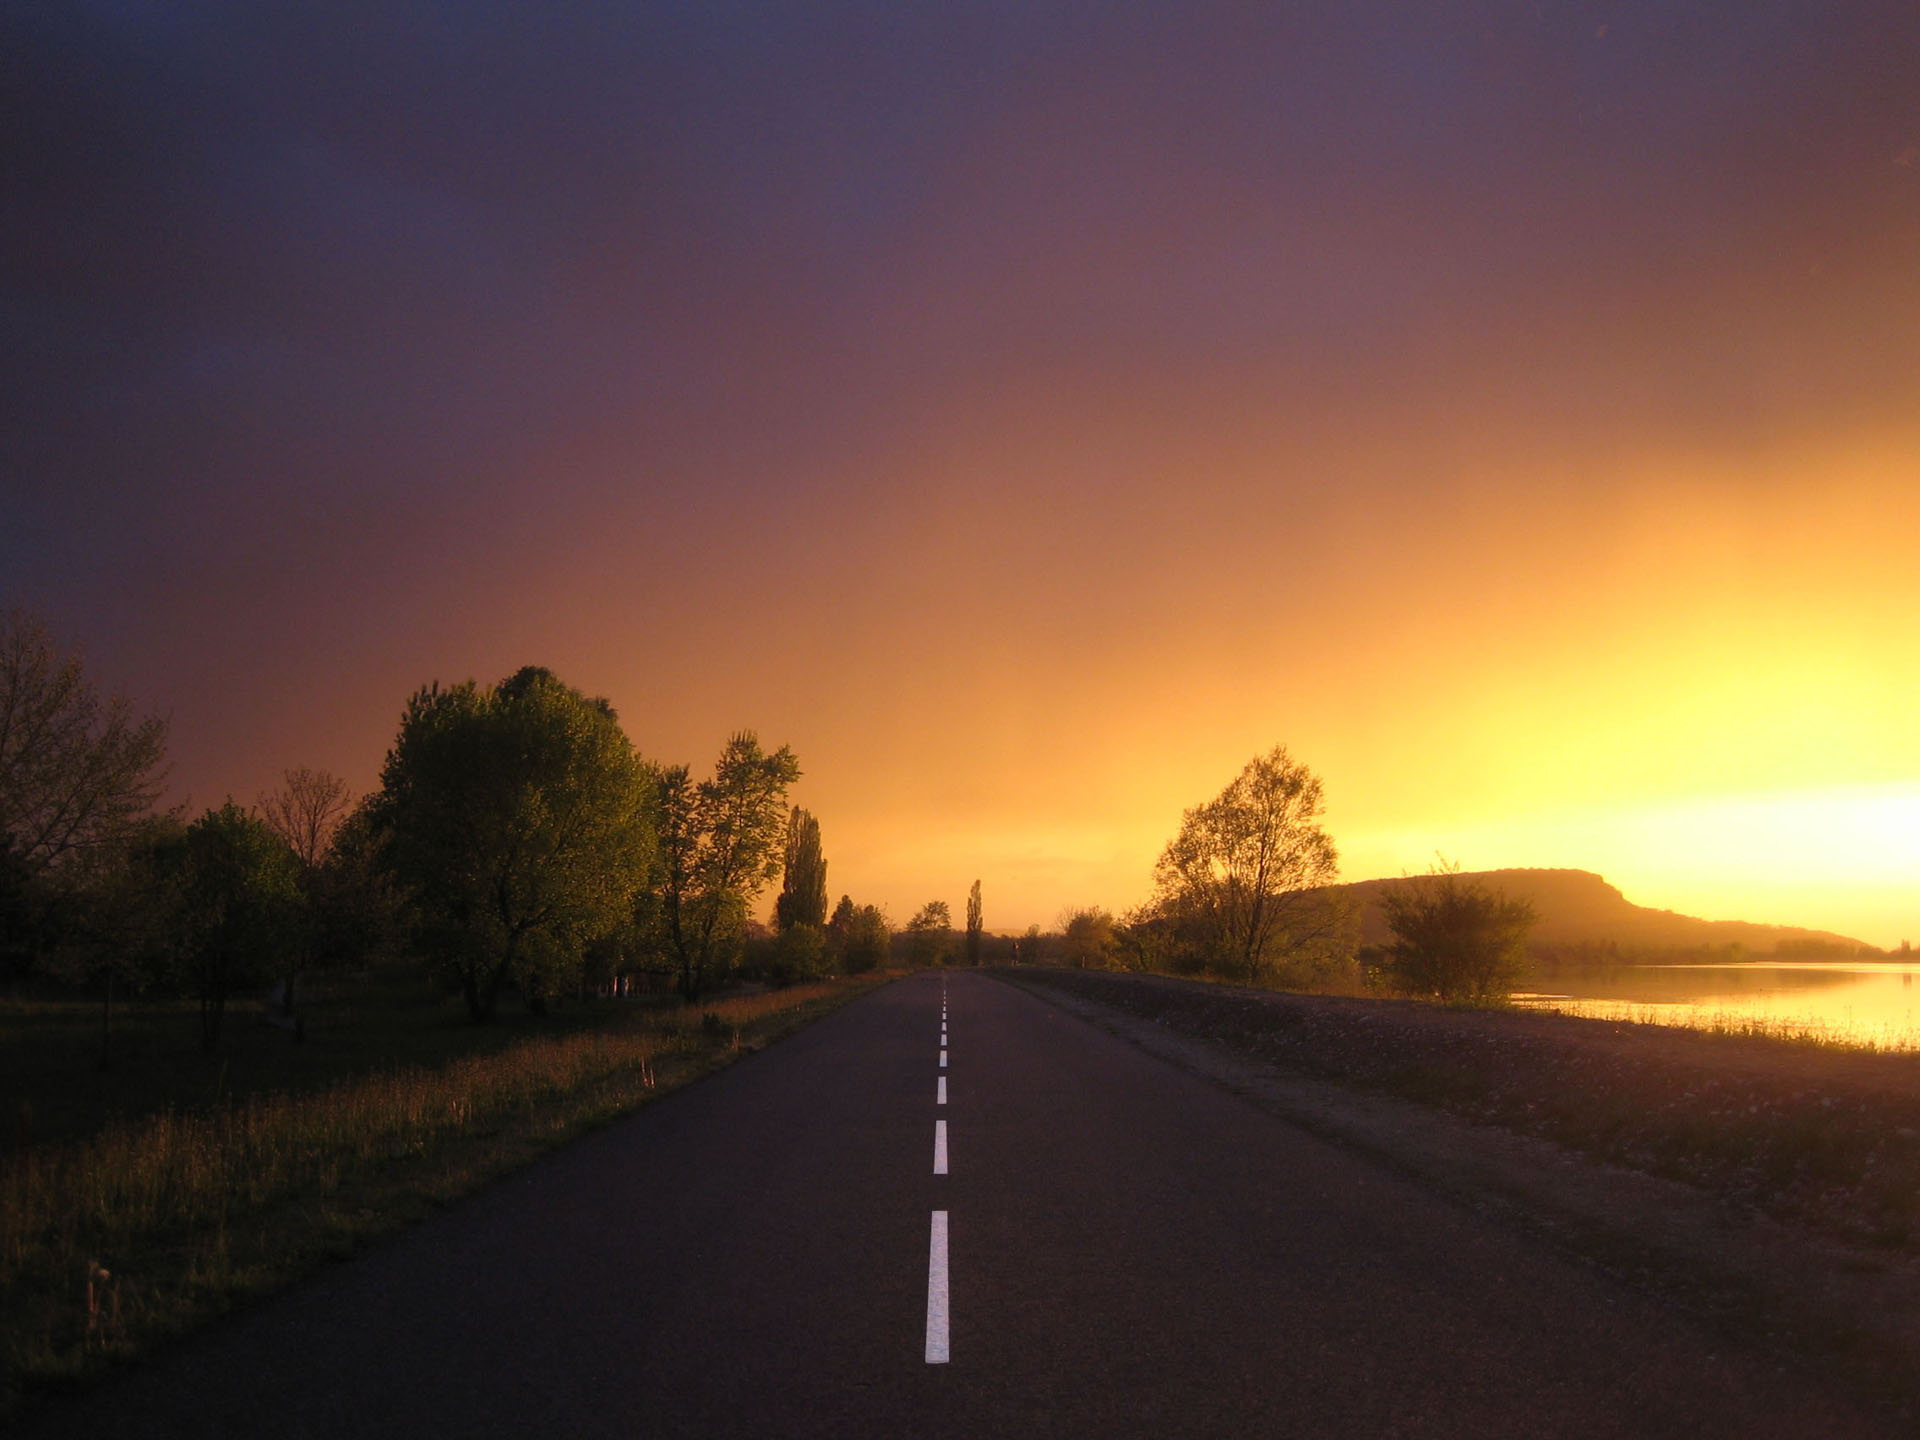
(943, 1091)
(943, 1059)
(939, 1147)
(937, 1291)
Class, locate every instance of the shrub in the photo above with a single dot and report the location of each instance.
(1455, 938)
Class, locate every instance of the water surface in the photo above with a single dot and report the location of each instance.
(1871, 1002)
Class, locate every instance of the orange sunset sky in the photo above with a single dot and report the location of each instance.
(1028, 413)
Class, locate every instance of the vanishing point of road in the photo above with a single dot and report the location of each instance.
(950, 1209)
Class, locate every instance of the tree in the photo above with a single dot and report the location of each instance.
(719, 844)
(930, 935)
(357, 910)
(1242, 884)
(115, 916)
(973, 924)
(1454, 937)
(869, 940)
(17, 911)
(803, 886)
(236, 899)
(518, 822)
(858, 937)
(74, 773)
(837, 929)
(1027, 949)
(797, 953)
(307, 813)
(1087, 938)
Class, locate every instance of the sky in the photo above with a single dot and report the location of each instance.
(1029, 412)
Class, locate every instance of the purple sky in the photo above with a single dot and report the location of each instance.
(1028, 411)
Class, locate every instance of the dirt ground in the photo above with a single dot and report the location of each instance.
(1770, 1187)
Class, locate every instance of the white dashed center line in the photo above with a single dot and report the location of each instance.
(937, 1291)
(937, 1294)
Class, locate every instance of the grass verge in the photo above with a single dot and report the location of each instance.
(1810, 1134)
(1439, 1095)
(150, 1227)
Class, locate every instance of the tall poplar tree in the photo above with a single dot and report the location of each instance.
(803, 890)
(973, 924)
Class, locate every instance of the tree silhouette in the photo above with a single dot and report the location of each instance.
(74, 773)
(1242, 882)
(1455, 938)
(973, 924)
(803, 887)
(719, 845)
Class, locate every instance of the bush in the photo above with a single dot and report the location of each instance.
(797, 953)
(1454, 938)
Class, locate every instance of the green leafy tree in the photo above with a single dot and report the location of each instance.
(973, 925)
(518, 822)
(858, 937)
(930, 935)
(720, 844)
(1454, 937)
(358, 911)
(869, 940)
(838, 926)
(1087, 938)
(1242, 885)
(235, 890)
(803, 886)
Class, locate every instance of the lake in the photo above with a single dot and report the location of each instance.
(1870, 1002)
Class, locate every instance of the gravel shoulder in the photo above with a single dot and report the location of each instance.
(1765, 1187)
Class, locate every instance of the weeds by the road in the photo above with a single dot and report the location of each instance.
(149, 1226)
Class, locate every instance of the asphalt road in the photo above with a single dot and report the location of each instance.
(1131, 1251)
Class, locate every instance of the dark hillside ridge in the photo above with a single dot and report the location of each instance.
(1578, 907)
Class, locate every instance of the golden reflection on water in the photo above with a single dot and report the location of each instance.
(1871, 1004)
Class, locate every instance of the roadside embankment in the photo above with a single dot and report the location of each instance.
(1770, 1185)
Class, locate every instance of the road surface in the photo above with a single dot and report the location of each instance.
(1128, 1250)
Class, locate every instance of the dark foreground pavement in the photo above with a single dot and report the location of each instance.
(1133, 1252)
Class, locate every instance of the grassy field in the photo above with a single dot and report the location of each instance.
(179, 1185)
(360, 1025)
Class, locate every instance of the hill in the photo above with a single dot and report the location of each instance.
(1577, 907)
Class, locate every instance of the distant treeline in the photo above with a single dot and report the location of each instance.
(517, 843)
